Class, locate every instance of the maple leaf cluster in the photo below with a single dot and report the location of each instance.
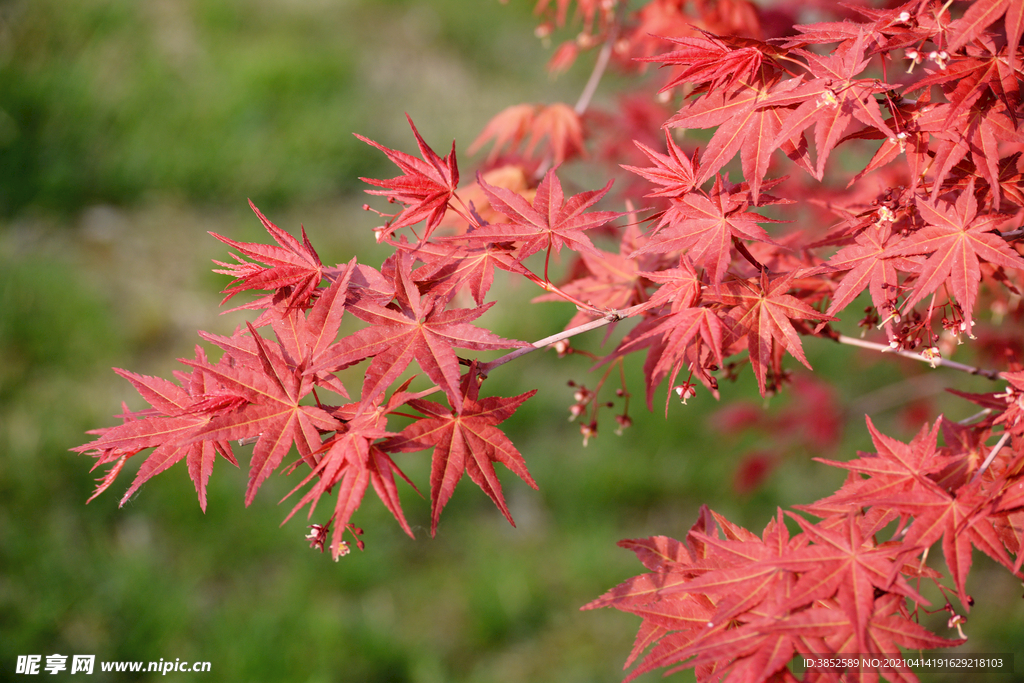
(264, 389)
(713, 275)
(733, 604)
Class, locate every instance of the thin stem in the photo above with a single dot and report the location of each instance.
(599, 68)
(547, 286)
(607, 319)
(597, 390)
(745, 253)
(977, 416)
(469, 219)
(547, 261)
(991, 456)
(934, 362)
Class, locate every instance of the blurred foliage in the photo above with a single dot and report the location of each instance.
(108, 100)
(126, 128)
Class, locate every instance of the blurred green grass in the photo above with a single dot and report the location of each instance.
(127, 131)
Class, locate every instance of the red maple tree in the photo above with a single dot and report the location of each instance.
(715, 273)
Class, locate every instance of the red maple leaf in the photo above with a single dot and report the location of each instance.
(965, 79)
(293, 266)
(304, 338)
(963, 522)
(977, 130)
(273, 413)
(176, 413)
(675, 339)
(707, 58)
(980, 15)
(449, 268)
(894, 469)
(675, 172)
(763, 310)
(676, 331)
(742, 577)
(845, 562)
(560, 125)
(907, 479)
(955, 238)
(832, 99)
(415, 327)
(748, 123)
(1010, 180)
(507, 127)
(869, 264)
(465, 441)
(424, 189)
(671, 618)
(550, 222)
(352, 460)
(696, 596)
(885, 631)
(680, 287)
(704, 226)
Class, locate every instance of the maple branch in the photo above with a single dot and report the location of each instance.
(599, 68)
(607, 319)
(548, 286)
(977, 416)
(991, 456)
(600, 65)
(933, 361)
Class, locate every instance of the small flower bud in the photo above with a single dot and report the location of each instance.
(588, 430)
(624, 422)
(685, 392)
(343, 550)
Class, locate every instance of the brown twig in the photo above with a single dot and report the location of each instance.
(991, 456)
(599, 68)
(933, 361)
(608, 318)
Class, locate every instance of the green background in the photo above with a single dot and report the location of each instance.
(130, 129)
